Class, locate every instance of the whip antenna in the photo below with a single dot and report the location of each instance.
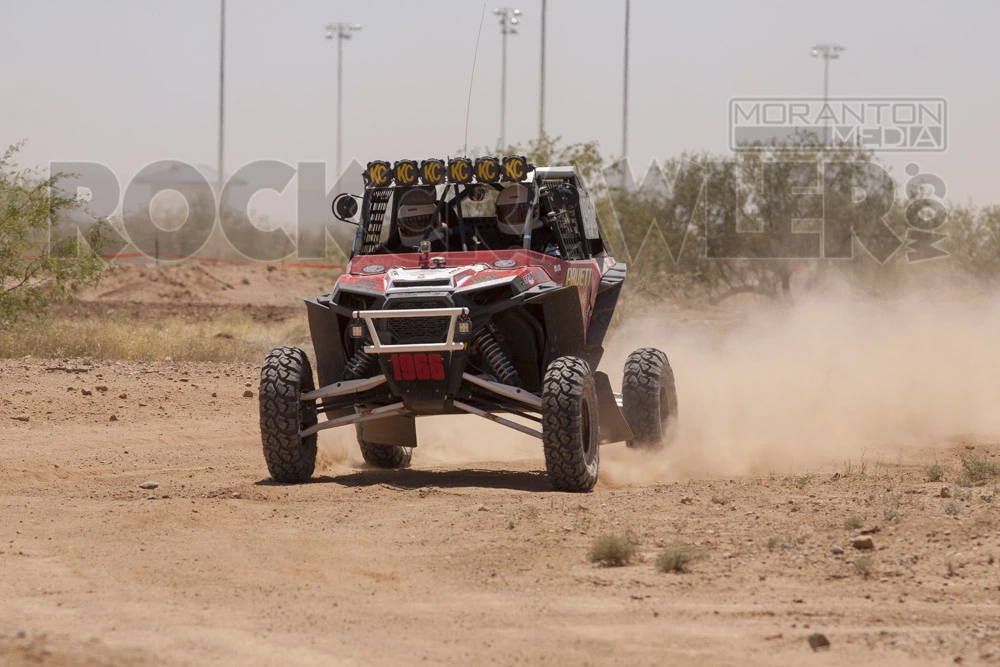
(468, 106)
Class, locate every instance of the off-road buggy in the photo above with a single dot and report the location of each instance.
(466, 320)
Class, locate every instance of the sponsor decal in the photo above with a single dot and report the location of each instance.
(579, 277)
(482, 277)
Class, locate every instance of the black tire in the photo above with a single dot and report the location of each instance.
(649, 397)
(383, 456)
(287, 375)
(571, 431)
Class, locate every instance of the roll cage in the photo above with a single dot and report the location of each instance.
(563, 205)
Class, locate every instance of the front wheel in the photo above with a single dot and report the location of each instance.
(571, 432)
(284, 378)
(649, 397)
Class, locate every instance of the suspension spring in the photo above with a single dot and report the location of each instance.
(488, 347)
(361, 365)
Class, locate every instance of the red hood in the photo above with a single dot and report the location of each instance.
(463, 268)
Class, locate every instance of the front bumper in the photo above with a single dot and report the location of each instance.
(449, 344)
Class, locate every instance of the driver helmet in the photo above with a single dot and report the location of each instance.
(416, 215)
(513, 210)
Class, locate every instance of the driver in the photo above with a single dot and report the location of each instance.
(417, 219)
(514, 210)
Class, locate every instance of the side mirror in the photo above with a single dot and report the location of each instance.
(345, 207)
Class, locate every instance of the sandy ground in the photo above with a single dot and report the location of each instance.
(183, 285)
(468, 558)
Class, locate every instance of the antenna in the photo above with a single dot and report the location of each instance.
(472, 79)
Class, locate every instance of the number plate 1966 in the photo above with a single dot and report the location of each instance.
(417, 366)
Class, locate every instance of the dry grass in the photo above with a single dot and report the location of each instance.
(853, 523)
(614, 550)
(976, 471)
(863, 565)
(783, 542)
(935, 473)
(230, 337)
(676, 558)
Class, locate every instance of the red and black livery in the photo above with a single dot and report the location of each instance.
(469, 321)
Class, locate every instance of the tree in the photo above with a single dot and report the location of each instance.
(974, 241)
(37, 264)
(548, 151)
(725, 225)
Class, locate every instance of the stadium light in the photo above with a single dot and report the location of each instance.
(222, 95)
(340, 32)
(541, 84)
(628, 16)
(508, 19)
(827, 52)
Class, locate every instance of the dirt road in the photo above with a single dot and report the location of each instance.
(467, 558)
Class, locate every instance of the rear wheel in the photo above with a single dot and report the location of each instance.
(383, 456)
(284, 378)
(571, 432)
(649, 397)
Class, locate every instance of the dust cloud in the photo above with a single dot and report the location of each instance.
(777, 388)
(817, 383)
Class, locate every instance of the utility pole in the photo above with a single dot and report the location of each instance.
(541, 85)
(508, 19)
(222, 97)
(340, 32)
(827, 52)
(625, 87)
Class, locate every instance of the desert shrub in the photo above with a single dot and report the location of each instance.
(976, 471)
(38, 263)
(678, 557)
(863, 565)
(612, 549)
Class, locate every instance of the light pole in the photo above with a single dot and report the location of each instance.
(625, 87)
(541, 86)
(340, 32)
(827, 52)
(222, 88)
(508, 19)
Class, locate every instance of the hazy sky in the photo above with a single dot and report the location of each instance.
(127, 82)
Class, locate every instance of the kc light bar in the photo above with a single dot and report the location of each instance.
(405, 172)
(434, 171)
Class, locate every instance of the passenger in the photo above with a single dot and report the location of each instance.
(513, 207)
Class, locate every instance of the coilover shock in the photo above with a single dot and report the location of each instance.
(485, 343)
(361, 365)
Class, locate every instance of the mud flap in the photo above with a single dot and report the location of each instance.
(398, 430)
(614, 428)
(565, 332)
(604, 310)
(326, 334)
